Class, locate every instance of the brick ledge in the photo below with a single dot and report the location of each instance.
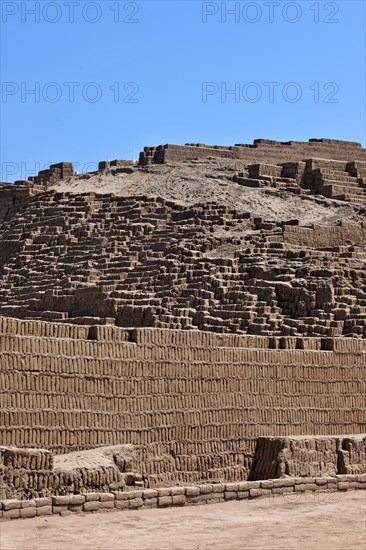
(176, 496)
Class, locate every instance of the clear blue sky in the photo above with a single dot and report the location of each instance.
(176, 60)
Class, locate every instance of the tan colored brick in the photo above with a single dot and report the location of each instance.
(192, 491)
(178, 500)
(150, 502)
(28, 504)
(122, 504)
(136, 502)
(231, 495)
(165, 501)
(91, 506)
(28, 512)
(12, 513)
(107, 497)
(44, 510)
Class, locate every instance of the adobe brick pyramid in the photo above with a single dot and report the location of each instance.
(142, 260)
(197, 316)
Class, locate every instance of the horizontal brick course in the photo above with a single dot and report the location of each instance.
(193, 495)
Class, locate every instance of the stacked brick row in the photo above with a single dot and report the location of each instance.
(20, 327)
(289, 489)
(162, 337)
(333, 179)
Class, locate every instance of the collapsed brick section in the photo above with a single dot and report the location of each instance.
(291, 166)
(29, 473)
(53, 174)
(309, 456)
(35, 473)
(144, 262)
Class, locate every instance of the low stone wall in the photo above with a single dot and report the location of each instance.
(35, 473)
(290, 488)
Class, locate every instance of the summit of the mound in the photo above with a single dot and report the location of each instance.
(209, 180)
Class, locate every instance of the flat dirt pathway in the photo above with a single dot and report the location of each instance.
(327, 522)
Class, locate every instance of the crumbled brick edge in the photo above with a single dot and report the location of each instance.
(177, 496)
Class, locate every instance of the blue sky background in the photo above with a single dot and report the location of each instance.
(168, 51)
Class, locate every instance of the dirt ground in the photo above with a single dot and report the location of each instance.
(291, 522)
(208, 180)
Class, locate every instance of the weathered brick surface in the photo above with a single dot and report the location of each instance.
(91, 506)
(136, 503)
(44, 510)
(291, 488)
(28, 512)
(260, 390)
(213, 349)
(261, 149)
(308, 456)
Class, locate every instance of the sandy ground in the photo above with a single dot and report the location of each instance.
(332, 521)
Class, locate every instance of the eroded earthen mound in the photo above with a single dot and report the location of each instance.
(229, 245)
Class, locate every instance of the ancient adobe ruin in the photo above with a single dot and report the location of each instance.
(199, 317)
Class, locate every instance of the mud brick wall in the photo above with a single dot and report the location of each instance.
(29, 459)
(164, 497)
(15, 196)
(352, 456)
(21, 327)
(23, 483)
(53, 174)
(309, 456)
(325, 236)
(117, 163)
(29, 473)
(194, 411)
(12, 199)
(261, 150)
